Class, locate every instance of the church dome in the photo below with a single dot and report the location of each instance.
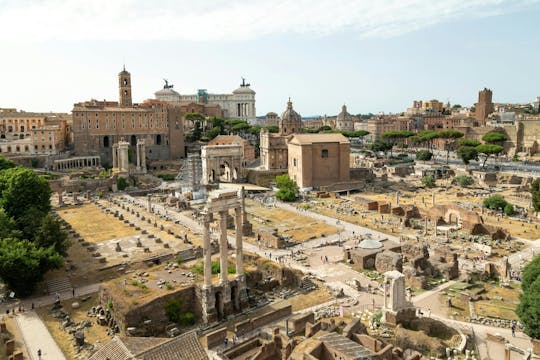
(344, 115)
(290, 115)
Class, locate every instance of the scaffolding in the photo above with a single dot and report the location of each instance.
(190, 174)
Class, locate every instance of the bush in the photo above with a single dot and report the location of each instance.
(288, 190)
(495, 202)
(428, 181)
(122, 184)
(509, 210)
(173, 310)
(187, 319)
(464, 180)
(424, 155)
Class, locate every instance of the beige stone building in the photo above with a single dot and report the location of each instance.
(28, 133)
(97, 125)
(273, 146)
(318, 159)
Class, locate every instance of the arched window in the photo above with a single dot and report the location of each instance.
(158, 140)
(105, 141)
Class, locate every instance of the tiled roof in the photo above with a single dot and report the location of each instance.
(114, 349)
(346, 346)
(186, 346)
(183, 347)
(318, 138)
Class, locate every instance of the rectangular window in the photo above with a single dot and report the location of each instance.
(324, 153)
(114, 123)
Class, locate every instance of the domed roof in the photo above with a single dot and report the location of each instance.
(290, 115)
(166, 92)
(244, 90)
(370, 244)
(344, 115)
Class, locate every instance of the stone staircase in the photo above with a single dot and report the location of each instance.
(59, 285)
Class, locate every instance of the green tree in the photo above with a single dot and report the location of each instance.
(469, 142)
(288, 190)
(494, 137)
(495, 202)
(243, 126)
(29, 223)
(427, 137)
(8, 227)
(197, 132)
(487, 150)
(449, 137)
(467, 153)
(509, 210)
(272, 129)
(22, 264)
(22, 189)
(463, 180)
(428, 181)
(51, 234)
(456, 106)
(325, 128)
(173, 310)
(6, 163)
(528, 309)
(535, 193)
(380, 146)
(424, 155)
(394, 136)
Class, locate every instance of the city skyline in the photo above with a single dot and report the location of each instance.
(355, 53)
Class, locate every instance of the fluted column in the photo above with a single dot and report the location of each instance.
(223, 247)
(207, 253)
(239, 258)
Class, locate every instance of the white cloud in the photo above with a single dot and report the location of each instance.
(232, 20)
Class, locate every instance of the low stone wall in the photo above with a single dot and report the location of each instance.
(130, 315)
(298, 322)
(214, 338)
(258, 321)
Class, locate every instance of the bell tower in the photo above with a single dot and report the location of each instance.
(124, 85)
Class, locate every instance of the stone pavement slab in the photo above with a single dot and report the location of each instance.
(36, 336)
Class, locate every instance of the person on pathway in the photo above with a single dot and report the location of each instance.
(39, 354)
(513, 328)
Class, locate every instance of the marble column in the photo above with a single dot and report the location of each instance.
(115, 155)
(138, 156)
(149, 203)
(433, 199)
(207, 252)
(385, 285)
(397, 198)
(239, 256)
(223, 249)
(60, 199)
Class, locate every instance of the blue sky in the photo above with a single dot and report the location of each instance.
(371, 55)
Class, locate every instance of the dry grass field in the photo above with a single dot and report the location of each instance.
(300, 228)
(93, 225)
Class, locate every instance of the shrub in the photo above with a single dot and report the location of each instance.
(288, 190)
(121, 183)
(173, 310)
(509, 210)
(464, 180)
(428, 181)
(495, 202)
(424, 155)
(187, 318)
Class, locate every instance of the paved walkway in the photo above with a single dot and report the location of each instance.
(36, 337)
